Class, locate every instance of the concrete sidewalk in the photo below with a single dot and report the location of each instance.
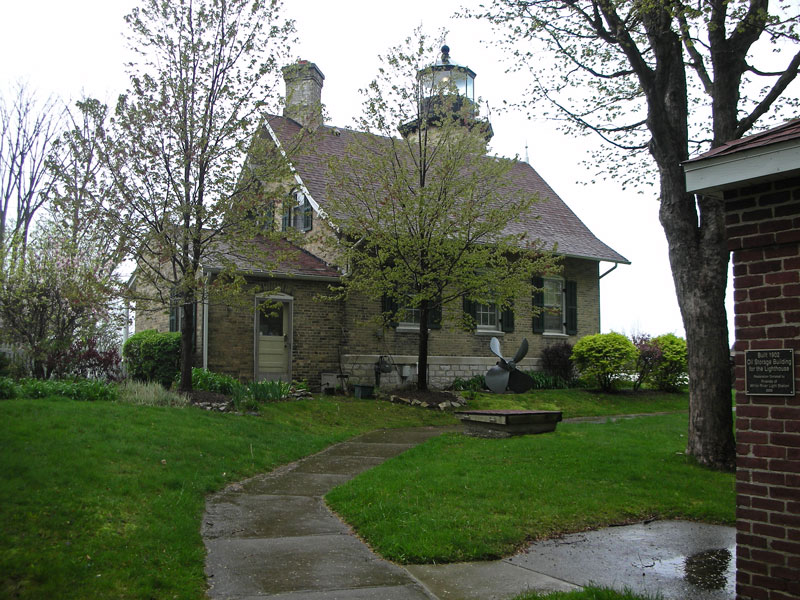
(272, 536)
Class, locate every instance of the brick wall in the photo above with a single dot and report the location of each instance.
(763, 224)
(452, 351)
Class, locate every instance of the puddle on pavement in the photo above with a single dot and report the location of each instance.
(709, 570)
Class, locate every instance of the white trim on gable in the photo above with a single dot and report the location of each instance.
(314, 204)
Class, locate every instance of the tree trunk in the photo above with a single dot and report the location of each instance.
(422, 367)
(699, 258)
(187, 331)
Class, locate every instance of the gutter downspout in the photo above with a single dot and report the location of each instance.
(609, 271)
(205, 324)
(599, 324)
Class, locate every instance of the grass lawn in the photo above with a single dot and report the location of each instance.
(104, 500)
(588, 593)
(457, 498)
(584, 403)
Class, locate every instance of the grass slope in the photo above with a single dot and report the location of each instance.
(104, 500)
(462, 499)
(584, 403)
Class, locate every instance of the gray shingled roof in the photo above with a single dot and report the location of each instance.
(788, 131)
(285, 259)
(551, 221)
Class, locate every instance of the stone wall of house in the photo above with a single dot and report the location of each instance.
(452, 351)
(152, 319)
(317, 332)
(763, 224)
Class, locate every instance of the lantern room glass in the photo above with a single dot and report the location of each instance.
(441, 76)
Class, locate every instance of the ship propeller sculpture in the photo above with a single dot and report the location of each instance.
(505, 375)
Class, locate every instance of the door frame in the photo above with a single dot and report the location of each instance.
(288, 302)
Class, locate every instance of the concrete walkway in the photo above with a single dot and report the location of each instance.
(272, 536)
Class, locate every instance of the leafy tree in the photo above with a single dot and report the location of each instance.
(665, 78)
(82, 185)
(423, 218)
(178, 141)
(53, 296)
(28, 128)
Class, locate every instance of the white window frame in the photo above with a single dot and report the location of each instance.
(403, 323)
(294, 216)
(562, 305)
(487, 310)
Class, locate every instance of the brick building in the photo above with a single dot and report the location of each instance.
(317, 340)
(759, 179)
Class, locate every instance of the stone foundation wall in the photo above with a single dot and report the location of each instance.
(442, 370)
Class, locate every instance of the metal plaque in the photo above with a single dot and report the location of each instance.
(769, 372)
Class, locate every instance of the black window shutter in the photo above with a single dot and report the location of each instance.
(471, 308)
(538, 305)
(308, 216)
(173, 316)
(287, 214)
(389, 308)
(571, 308)
(507, 320)
(435, 317)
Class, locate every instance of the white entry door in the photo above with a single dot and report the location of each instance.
(274, 341)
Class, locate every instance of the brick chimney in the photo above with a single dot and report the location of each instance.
(303, 93)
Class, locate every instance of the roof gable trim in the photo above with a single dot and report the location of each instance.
(302, 186)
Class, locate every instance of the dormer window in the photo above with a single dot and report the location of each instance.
(298, 213)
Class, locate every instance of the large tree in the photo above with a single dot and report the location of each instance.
(58, 284)
(175, 149)
(426, 219)
(667, 77)
(28, 128)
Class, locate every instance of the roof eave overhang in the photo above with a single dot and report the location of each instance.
(619, 261)
(711, 176)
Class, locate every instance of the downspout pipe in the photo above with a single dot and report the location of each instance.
(609, 271)
(599, 324)
(205, 323)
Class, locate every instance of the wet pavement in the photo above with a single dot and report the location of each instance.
(272, 536)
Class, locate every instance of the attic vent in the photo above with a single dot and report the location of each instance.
(336, 132)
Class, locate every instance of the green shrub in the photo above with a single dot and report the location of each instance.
(203, 379)
(153, 356)
(8, 389)
(149, 394)
(604, 357)
(243, 400)
(269, 391)
(475, 383)
(546, 381)
(90, 390)
(5, 364)
(557, 361)
(670, 372)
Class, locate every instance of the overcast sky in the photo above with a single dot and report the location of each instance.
(70, 47)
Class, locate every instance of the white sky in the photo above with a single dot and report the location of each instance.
(70, 47)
